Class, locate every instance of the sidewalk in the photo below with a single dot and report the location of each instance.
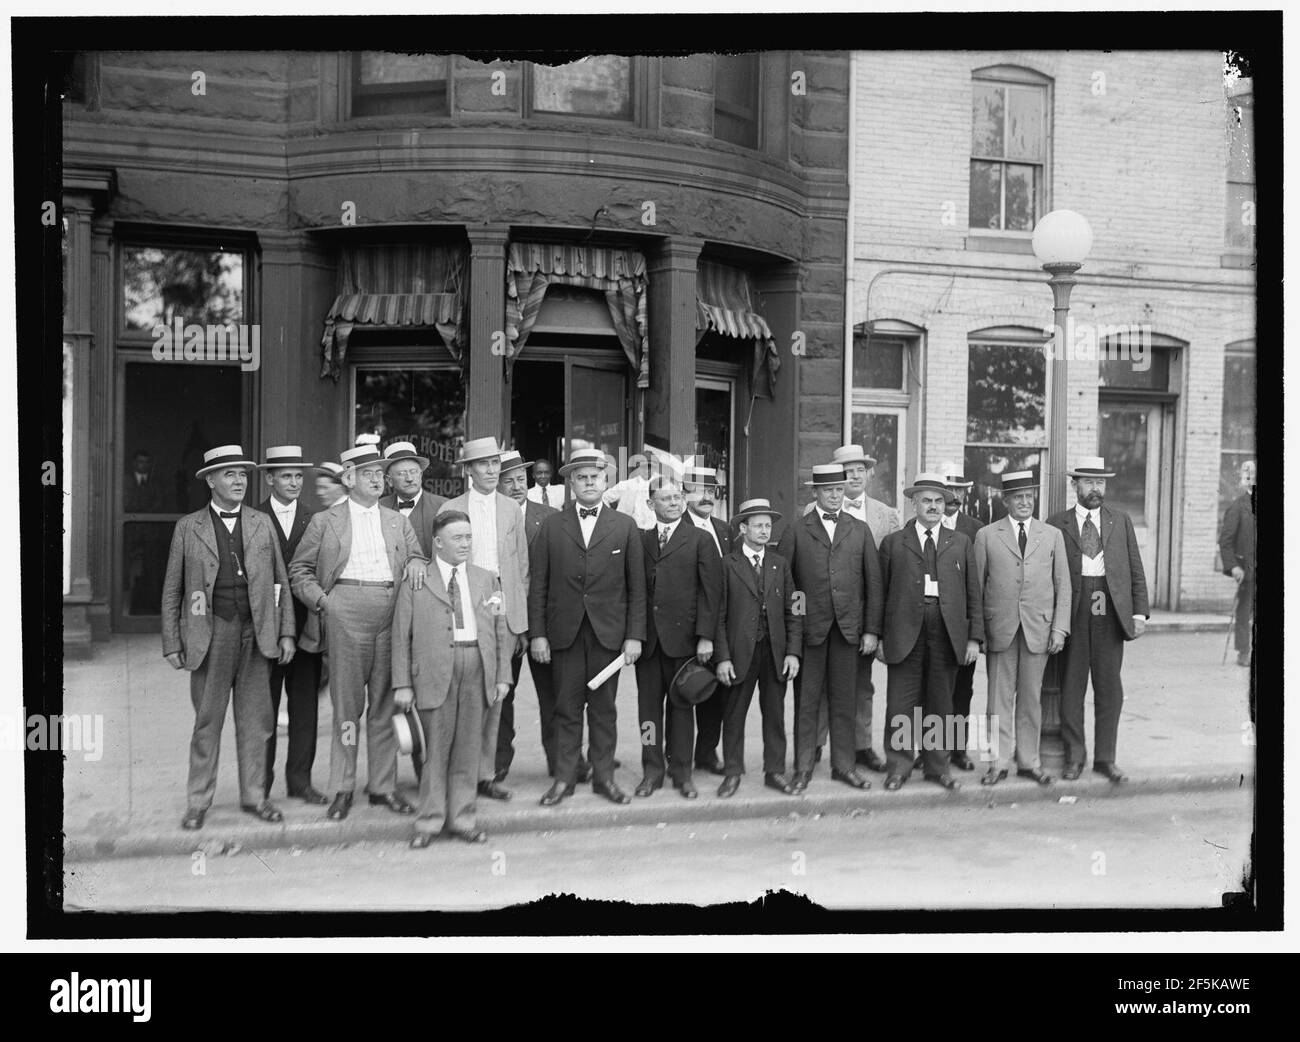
(1185, 725)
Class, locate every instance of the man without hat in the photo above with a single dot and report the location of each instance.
(222, 622)
(1237, 552)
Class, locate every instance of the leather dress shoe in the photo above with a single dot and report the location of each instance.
(893, 782)
(193, 820)
(1035, 773)
(729, 785)
(421, 840)
(472, 836)
(1109, 770)
(266, 811)
(854, 777)
(946, 780)
(647, 786)
(494, 791)
(340, 807)
(994, 776)
(779, 782)
(310, 795)
(869, 759)
(800, 782)
(555, 793)
(612, 792)
(686, 787)
(393, 801)
(584, 772)
(1072, 772)
(962, 761)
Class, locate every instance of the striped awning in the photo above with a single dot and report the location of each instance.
(724, 300)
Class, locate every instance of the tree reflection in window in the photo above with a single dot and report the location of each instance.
(162, 284)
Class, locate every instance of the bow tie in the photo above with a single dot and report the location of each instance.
(222, 513)
(585, 512)
(832, 518)
(853, 504)
(405, 504)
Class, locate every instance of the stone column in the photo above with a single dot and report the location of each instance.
(670, 399)
(485, 403)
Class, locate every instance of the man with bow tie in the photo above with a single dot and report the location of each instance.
(1108, 607)
(221, 621)
(404, 470)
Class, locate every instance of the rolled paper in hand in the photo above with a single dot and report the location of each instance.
(605, 673)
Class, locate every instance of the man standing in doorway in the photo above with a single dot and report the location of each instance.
(955, 519)
(543, 492)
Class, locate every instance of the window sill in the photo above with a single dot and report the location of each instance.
(1245, 261)
(1000, 243)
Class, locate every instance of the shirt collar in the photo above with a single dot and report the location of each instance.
(1081, 511)
(600, 505)
(284, 508)
(1015, 524)
(483, 497)
(700, 522)
(445, 569)
(670, 525)
(212, 504)
(753, 555)
(920, 532)
(399, 498)
(353, 505)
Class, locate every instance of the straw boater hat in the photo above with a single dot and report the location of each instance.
(224, 456)
(584, 458)
(477, 449)
(706, 476)
(334, 470)
(1090, 467)
(754, 507)
(403, 450)
(852, 454)
(928, 481)
(359, 456)
(824, 474)
(1019, 481)
(278, 456)
(511, 460)
(952, 475)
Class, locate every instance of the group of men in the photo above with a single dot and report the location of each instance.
(427, 609)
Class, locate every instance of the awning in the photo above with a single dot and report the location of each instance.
(724, 299)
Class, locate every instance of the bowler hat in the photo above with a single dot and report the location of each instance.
(692, 684)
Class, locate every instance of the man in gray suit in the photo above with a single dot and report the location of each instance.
(1025, 578)
(222, 621)
(347, 568)
(501, 548)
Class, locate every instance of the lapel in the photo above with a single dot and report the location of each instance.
(341, 521)
(1107, 526)
(813, 522)
(676, 541)
(1071, 529)
(205, 532)
(505, 506)
(1035, 538)
(604, 525)
(300, 522)
(842, 528)
(391, 526)
(569, 523)
(913, 541)
(248, 518)
(740, 562)
(945, 541)
(1008, 534)
(435, 583)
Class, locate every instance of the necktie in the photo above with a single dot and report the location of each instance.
(1089, 540)
(222, 513)
(585, 512)
(931, 558)
(758, 572)
(663, 536)
(1023, 539)
(453, 595)
(405, 504)
(832, 518)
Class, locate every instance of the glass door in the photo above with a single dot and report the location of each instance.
(715, 423)
(1133, 438)
(596, 409)
(880, 431)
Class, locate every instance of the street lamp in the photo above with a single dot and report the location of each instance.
(1062, 241)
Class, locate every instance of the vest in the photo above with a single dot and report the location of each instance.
(230, 592)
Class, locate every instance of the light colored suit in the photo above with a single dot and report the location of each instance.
(1024, 600)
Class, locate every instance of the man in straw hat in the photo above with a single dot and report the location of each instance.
(329, 484)
(586, 607)
(934, 622)
(836, 567)
(283, 471)
(955, 519)
(1237, 552)
(1024, 580)
(404, 469)
(222, 622)
(500, 548)
(347, 569)
(1108, 607)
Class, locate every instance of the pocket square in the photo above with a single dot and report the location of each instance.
(618, 551)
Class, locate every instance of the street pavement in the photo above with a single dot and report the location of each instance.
(1171, 850)
(1185, 726)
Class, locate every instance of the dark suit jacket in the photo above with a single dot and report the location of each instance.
(1125, 577)
(421, 517)
(683, 587)
(840, 583)
(534, 515)
(288, 547)
(605, 582)
(968, 526)
(1237, 537)
(960, 600)
(738, 615)
(725, 538)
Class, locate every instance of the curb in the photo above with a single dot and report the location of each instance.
(227, 834)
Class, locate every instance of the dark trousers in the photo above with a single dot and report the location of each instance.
(963, 690)
(572, 667)
(923, 679)
(301, 679)
(654, 673)
(833, 664)
(1244, 614)
(233, 661)
(1096, 646)
(708, 723)
(452, 737)
(771, 703)
(544, 684)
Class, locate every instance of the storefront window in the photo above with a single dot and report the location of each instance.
(878, 432)
(597, 86)
(425, 406)
(1006, 413)
(160, 285)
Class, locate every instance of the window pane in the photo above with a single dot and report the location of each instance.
(985, 195)
(1025, 123)
(1123, 441)
(1121, 370)
(1241, 142)
(877, 432)
(596, 86)
(596, 409)
(739, 130)
(987, 118)
(735, 80)
(1239, 403)
(1006, 400)
(1239, 220)
(200, 286)
(423, 406)
(713, 439)
(880, 365)
(985, 468)
(384, 67)
(1020, 197)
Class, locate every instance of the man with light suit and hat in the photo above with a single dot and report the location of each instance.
(404, 469)
(586, 608)
(451, 659)
(1108, 607)
(500, 548)
(1024, 580)
(347, 569)
(222, 622)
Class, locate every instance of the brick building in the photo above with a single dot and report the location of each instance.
(956, 156)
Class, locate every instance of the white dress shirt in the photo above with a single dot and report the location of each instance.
(931, 588)
(229, 522)
(1091, 565)
(755, 557)
(1015, 529)
(553, 497)
(859, 510)
(828, 525)
(470, 630)
(587, 524)
(483, 523)
(706, 525)
(368, 558)
(285, 514)
(671, 527)
(632, 497)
